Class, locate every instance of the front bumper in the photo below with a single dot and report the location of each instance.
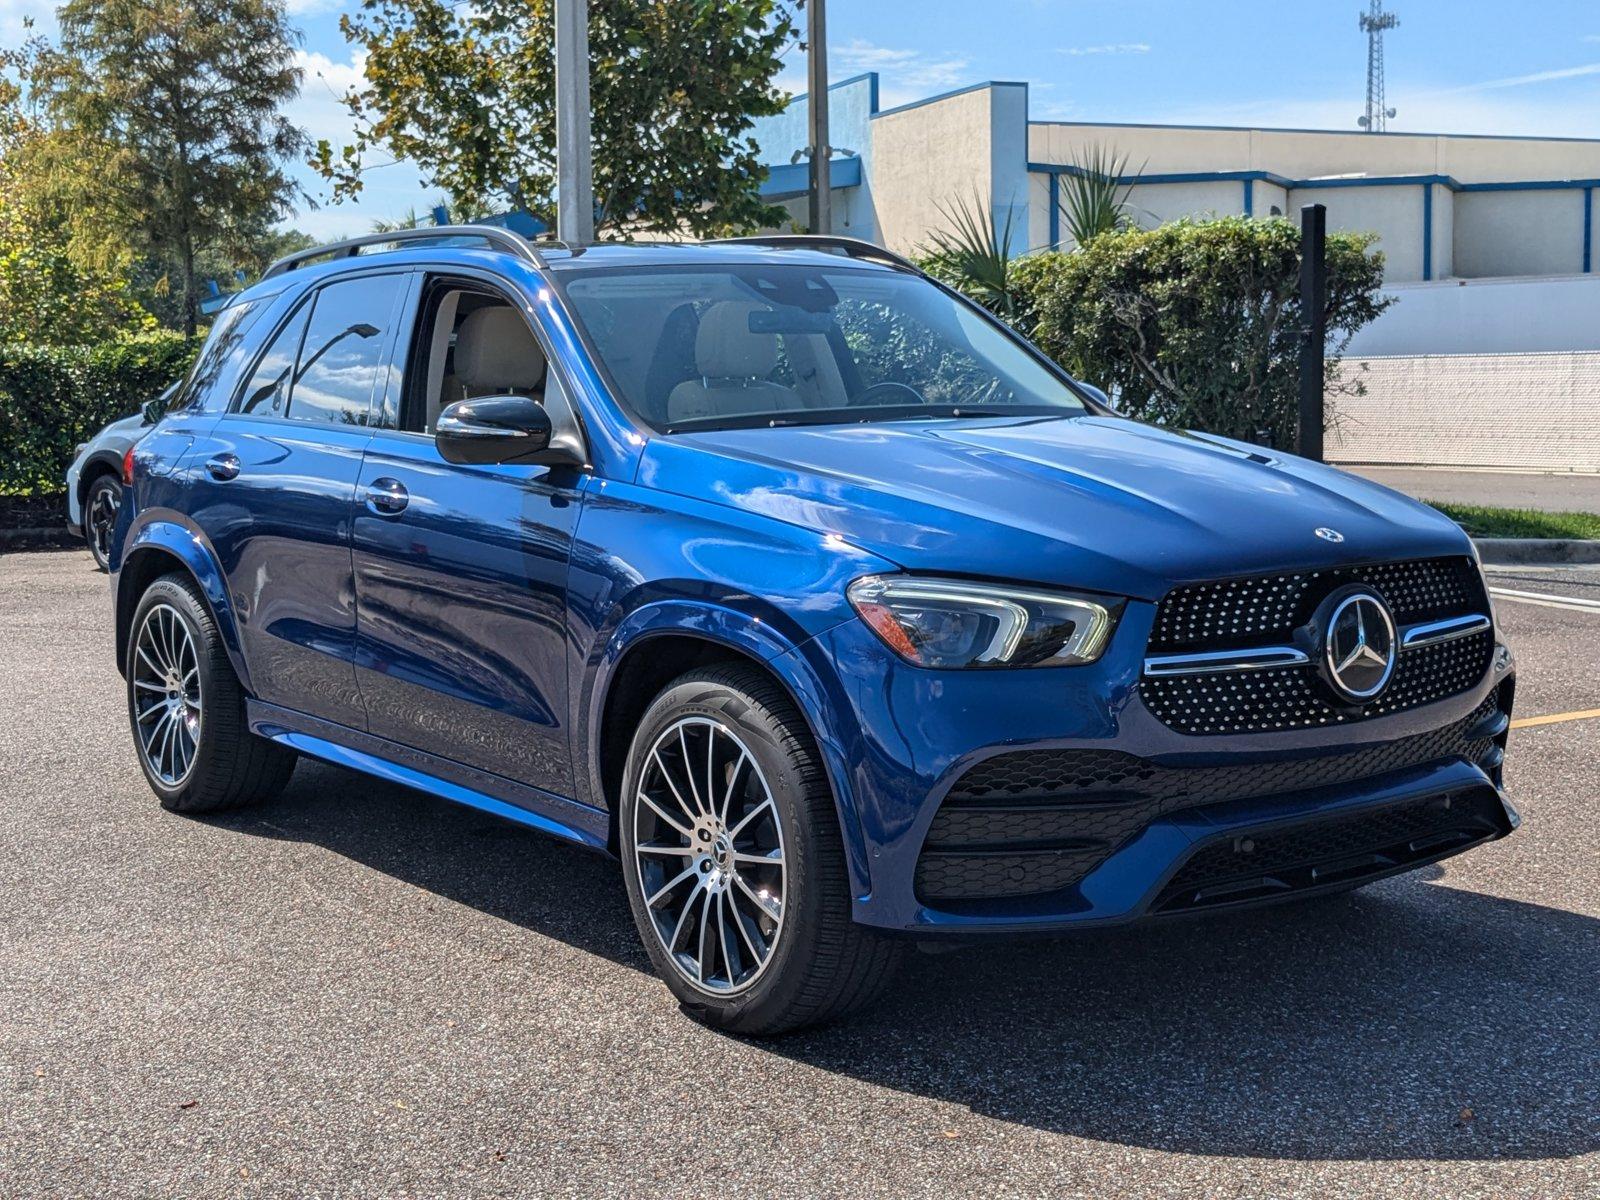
(916, 733)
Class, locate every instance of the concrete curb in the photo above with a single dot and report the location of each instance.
(1525, 551)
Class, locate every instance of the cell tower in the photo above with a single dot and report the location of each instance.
(1373, 23)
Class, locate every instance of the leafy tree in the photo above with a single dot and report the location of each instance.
(62, 282)
(185, 96)
(1198, 324)
(467, 92)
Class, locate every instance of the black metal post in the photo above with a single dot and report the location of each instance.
(1314, 304)
(820, 212)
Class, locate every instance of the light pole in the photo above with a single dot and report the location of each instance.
(574, 165)
(820, 215)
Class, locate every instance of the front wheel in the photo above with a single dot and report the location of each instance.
(734, 863)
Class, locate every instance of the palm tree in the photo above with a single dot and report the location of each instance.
(973, 254)
(1094, 193)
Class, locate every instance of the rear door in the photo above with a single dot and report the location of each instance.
(275, 484)
(461, 571)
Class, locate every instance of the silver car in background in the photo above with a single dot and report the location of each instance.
(94, 480)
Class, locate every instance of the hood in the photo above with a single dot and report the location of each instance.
(1094, 502)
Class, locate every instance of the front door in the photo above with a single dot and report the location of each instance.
(275, 482)
(461, 571)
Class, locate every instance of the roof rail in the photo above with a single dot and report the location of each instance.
(498, 238)
(851, 247)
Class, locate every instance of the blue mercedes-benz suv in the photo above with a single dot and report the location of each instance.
(803, 586)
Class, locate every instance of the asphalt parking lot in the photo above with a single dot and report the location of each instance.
(362, 991)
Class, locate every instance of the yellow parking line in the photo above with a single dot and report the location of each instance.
(1556, 718)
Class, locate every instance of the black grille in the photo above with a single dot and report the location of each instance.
(1295, 697)
(1267, 609)
(1037, 821)
(1261, 609)
(1331, 851)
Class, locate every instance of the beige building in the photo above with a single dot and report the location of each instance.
(1450, 211)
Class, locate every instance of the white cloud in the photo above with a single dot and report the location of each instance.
(1110, 48)
(388, 190)
(907, 75)
(1489, 85)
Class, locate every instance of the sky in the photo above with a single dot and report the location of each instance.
(1454, 66)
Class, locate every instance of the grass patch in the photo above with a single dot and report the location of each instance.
(1482, 521)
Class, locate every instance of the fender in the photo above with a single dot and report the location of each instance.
(760, 639)
(168, 531)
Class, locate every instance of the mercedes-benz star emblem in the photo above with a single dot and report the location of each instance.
(1329, 535)
(1359, 647)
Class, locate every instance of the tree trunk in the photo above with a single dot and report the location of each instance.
(191, 301)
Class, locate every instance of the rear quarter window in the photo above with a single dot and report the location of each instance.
(220, 359)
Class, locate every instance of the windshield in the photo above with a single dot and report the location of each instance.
(721, 347)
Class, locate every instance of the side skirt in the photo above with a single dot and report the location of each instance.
(494, 794)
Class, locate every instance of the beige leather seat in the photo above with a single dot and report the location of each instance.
(496, 352)
(734, 364)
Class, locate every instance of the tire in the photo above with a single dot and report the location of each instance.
(818, 963)
(101, 503)
(226, 766)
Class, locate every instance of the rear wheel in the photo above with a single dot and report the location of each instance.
(734, 863)
(187, 709)
(101, 504)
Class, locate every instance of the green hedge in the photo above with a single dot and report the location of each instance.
(53, 397)
(1194, 324)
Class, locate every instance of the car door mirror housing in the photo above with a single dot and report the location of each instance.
(153, 410)
(497, 429)
(1098, 394)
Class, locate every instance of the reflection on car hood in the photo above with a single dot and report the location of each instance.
(1093, 502)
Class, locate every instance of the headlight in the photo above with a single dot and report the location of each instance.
(944, 623)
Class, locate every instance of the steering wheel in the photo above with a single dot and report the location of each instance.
(878, 393)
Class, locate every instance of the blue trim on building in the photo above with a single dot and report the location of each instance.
(1427, 232)
(787, 181)
(1055, 212)
(1529, 185)
(950, 95)
(1588, 229)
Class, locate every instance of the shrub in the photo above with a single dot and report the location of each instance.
(53, 397)
(1197, 324)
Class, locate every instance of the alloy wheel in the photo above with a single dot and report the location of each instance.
(708, 843)
(167, 701)
(103, 508)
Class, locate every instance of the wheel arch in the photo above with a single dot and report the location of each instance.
(96, 465)
(653, 648)
(161, 548)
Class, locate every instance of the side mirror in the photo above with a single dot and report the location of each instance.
(154, 410)
(494, 429)
(1097, 395)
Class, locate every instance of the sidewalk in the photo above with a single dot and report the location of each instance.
(1499, 489)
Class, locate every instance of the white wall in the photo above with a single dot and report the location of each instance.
(1530, 411)
(1156, 203)
(1486, 316)
(1519, 233)
(1394, 213)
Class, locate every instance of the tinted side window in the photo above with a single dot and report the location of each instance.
(342, 355)
(267, 392)
(226, 333)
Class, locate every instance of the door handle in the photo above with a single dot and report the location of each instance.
(387, 497)
(223, 466)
